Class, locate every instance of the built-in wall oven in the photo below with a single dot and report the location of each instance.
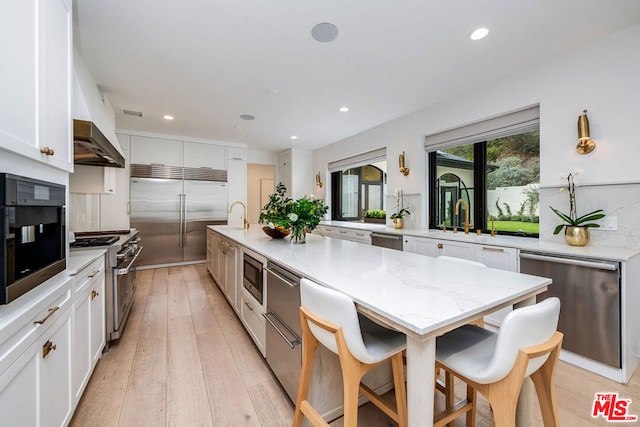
(252, 276)
(32, 234)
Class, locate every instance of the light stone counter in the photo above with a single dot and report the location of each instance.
(530, 244)
(422, 296)
(80, 259)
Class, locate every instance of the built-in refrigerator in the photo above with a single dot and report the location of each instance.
(172, 206)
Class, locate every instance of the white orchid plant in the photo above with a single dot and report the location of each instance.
(572, 219)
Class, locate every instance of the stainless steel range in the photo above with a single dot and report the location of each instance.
(123, 249)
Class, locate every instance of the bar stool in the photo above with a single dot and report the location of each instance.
(496, 364)
(329, 317)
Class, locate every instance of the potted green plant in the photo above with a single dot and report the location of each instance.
(276, 213)
(576, 227)
(286, 215)
(376, 216)
(398, 216)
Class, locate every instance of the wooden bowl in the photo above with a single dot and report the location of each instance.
(276, 233)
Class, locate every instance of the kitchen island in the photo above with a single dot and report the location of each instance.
(421, 296)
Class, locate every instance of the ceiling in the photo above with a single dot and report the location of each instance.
(207, 62)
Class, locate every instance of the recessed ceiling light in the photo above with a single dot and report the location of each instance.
(344, 109)
(167, 117)
(247, 117)
(479, 33)
(294, 137)
(324, 32)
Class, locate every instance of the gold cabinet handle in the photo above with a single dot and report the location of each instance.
(51, 311)
(93, 273)
(47, 151)
(440, 246)
(94, 294)
(248, 306)
(484, 248)
(47, 348)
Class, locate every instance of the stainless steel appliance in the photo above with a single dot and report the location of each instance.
(172, 206)
(391, 241)
(123, 251)
(589, 293)
(283, 342)
(32, 234)
(252, 277)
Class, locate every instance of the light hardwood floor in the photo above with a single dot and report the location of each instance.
(185, 360)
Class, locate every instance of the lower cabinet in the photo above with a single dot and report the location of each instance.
(212, 254)
(353, 235)
(436, 247)
(36, 389)
(88, 324)
(251, 316)
(49, 346)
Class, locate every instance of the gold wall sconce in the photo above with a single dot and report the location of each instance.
(318, 182)
(586, 145)
(403, 170)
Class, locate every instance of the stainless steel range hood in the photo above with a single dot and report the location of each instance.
(92, 148)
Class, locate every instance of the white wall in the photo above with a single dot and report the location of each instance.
(600, 77)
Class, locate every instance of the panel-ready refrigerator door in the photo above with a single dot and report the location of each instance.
(205, 203)
(156, 211)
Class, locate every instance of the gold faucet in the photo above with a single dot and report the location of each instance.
(466, 214)
(246, 223)
(493, 230)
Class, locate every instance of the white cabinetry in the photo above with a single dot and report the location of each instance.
(147, 150)
(88, 324)
(436, 247)
(93, 180)
(251, 316)
(502, 259)
(114, 208)
(295, 170)
(199, 155)
(226, 269)
(353, 235)
(212, 254)
(35, 356)
(36, 88)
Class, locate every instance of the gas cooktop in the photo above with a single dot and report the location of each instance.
(83, 242)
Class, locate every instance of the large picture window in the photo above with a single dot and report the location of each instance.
(487, 174)
(357, 190)
(358, 184)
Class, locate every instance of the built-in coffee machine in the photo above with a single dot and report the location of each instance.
(32, 235)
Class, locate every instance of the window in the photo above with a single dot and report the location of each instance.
(489, 171)
(357, 190)
(358, 184)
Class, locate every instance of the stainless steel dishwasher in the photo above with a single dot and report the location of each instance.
(284, 349)
(589, 293)
(391, 241)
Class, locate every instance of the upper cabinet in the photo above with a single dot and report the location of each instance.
(35, 113)
(146, 150)
(199, 155)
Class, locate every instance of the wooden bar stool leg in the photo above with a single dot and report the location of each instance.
(351, 375)
(400, 390)
(309, 349)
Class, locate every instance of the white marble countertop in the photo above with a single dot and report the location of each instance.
(523, 243)
(419, 294)
(80, 259)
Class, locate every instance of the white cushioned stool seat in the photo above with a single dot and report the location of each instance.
(527, 344)
(329, 317)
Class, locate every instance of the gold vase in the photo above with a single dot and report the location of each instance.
(398, 222)
(576, 235)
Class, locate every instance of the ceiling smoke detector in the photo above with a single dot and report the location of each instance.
(324, 32)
